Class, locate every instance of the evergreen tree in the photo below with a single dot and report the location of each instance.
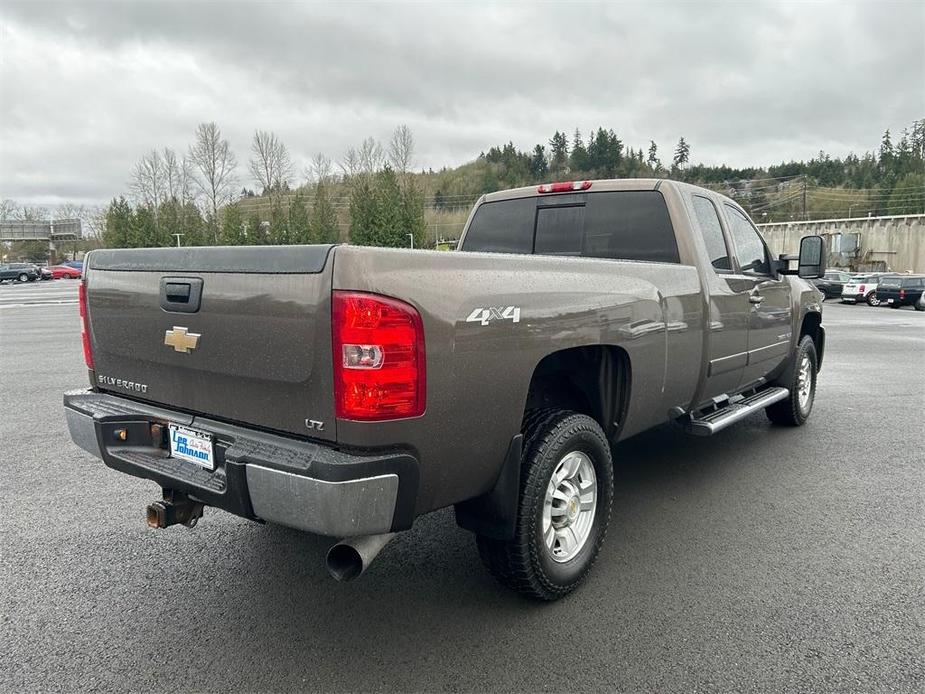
(143, 228)
(279, 224)
(412, 213)
(538, 166)
(324, 217)
(255, 231)
(886, 152)
(118, 230)
(362, 210)
(682, 154)
(232, 233)
(300, 230)
(652, 160)
(558, 148)
(579, 158)
(388, 222)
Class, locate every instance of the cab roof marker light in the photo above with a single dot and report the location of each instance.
(563, 186)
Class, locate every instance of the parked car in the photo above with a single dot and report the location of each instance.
(862, 288)
(23, 272)
(902, 290)
(44, 273)
(75, 264)
(832, 283)
(347, 390)
(66, 272)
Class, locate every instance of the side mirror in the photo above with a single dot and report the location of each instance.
(812, 257)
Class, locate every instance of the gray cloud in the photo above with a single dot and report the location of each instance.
(88, 87)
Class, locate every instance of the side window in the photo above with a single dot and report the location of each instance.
(750, 249)
(708, 218)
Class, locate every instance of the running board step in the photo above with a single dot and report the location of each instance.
(709, 424)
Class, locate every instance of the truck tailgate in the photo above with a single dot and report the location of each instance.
(263, 351)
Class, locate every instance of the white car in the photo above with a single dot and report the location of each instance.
(861, 288)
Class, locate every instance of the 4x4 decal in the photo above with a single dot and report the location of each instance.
(484, 315)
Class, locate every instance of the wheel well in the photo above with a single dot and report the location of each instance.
(812, 326)
(593, 380)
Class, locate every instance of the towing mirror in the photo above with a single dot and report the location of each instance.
(812, 257)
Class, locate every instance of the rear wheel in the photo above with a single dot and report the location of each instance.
(24, 277)
(872, 299)
(566, 493)
(800, 380)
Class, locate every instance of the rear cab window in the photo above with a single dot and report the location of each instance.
(891, 282)
(620, 225)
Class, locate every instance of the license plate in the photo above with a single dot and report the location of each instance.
(191, 445)
(889, 301)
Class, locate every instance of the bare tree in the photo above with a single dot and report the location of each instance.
(148, 179)
(401, 149)
(362, 163)
(350, 164)
(215, 166)
(177, 177)
(8, 210)
(320, 169)
(94, 221)
(371, 156)
(271, 165)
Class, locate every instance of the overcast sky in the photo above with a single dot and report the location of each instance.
(86, 88)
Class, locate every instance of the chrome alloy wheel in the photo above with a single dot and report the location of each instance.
(805, 382)
(569, 506)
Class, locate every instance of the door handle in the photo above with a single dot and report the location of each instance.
(755, 298)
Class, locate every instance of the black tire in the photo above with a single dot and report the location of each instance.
(524, 563)
(918, 306)
(872, 299)
(24, 277)
(789, 411)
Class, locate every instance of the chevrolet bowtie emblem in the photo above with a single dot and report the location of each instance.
(181, 340)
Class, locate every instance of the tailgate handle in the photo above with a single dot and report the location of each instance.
(178, 293)
(181, 294)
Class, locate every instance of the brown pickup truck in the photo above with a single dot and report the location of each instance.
(346, 391)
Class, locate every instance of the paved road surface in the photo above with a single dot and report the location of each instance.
(761, 559)
(46, 292)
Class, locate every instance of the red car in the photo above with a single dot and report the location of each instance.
(65, 272)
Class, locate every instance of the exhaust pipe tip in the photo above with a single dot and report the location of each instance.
(349, 558)
(344, 562)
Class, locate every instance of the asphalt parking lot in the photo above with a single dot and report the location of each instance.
(760, 559)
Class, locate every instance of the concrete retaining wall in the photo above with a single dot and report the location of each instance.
(892, 243)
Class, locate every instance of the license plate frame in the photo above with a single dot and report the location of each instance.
(191, 445)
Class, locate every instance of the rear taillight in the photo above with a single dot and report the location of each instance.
(902, 293)
(84, 324)
(379, 366)
(860, 289)
(563, 186)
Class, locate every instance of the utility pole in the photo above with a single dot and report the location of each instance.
(178, 238)
(804, 197)
(411, 236)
